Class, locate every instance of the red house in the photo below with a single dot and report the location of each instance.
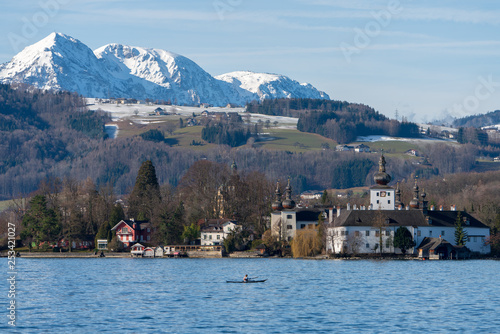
(130, 231)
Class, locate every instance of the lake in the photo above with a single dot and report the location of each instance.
(301, 296)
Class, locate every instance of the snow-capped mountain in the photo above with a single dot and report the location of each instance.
(61, 62)
(267, 86)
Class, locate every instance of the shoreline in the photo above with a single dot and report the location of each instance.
(115, 255)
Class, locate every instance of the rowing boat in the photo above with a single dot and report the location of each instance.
(249, 281)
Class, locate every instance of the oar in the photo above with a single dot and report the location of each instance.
(253, 277)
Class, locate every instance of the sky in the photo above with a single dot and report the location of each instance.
(424, 60)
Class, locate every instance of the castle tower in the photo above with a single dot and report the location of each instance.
(277, 205)
(381, 195)
(414, 203)
(424, 202)
(398, 202)
(288, 203)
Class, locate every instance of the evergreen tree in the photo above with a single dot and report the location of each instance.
(169, 226)
(191, 233)
(40, 223)
(146, 193)
(324, 198)
(461, 236)
(403, 239)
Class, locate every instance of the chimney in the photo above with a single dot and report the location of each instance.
(354, 207)
(407, 207)
(440, 208)
(330, 215)
(338, 211)
(453, 207)
(132, 219)
(432, 207)
(348, 206)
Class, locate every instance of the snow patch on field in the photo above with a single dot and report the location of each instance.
(372, 139)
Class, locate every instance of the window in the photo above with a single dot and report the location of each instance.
(430, 233)
(302, 225)
(378, 201)
(346, 232)
(205, 237)
(419, 233)
(474, 239)
(388, 243)
(388, 201)
(149, 237)
(367, 234)
(356, 233)
(210, 237)
(378, 194)
(218, 236)
(342, 232)
(124, 230)
(387, 233)
(288, 216)
(367, 245)
(377, 234)
(388, 194)
(289, 227)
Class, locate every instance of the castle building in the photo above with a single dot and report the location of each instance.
(287, 219)
(372, 231)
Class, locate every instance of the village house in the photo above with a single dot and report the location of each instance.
(344, 148)
(130, 232)
(361, 230)
(214, 231)
(362, 148)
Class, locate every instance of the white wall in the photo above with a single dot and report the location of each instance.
(385, 198)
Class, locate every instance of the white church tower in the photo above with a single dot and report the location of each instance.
(382, 197)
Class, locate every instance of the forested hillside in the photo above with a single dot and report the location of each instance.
(47, 135)
(340, 121)
(478, 121)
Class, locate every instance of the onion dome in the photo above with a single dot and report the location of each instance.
(424, 201)
(288, 203)
(414, 202)
(277, 205)
(381, 177)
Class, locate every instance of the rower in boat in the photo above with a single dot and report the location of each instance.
(245, 279)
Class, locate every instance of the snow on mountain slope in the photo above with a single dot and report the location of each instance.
(61, 62)
(57, 62)
(181, 78)
(267, 85)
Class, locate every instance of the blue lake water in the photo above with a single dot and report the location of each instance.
(301, 296)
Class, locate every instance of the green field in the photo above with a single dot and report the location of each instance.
(294, 140)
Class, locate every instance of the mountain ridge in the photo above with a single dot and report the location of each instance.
(61, 62)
